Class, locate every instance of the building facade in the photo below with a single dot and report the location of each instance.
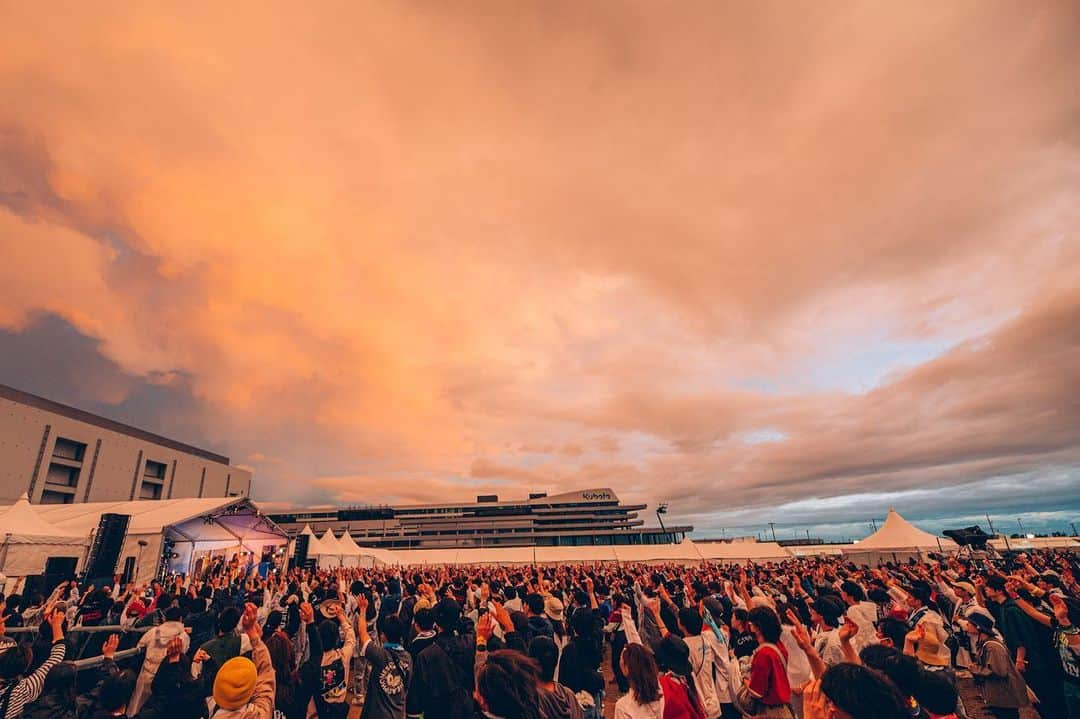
(62, 455)
(583, 518)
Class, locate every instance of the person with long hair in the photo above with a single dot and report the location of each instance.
(644, 700)
(507, 686)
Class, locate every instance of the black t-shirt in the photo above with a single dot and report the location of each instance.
(388, 684)
(743, 643)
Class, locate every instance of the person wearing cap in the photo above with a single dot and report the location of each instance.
(927, 639)
(245, 688)
(1001, 686)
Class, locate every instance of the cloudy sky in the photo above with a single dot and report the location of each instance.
(788, 261)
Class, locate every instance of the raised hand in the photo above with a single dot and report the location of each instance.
(848, 630)
(485, 627)
(108, 649)
(250, 622)
(307, 613)
(815, 703)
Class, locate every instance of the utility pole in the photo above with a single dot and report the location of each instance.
(772, 527)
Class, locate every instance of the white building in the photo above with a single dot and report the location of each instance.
(62, 455)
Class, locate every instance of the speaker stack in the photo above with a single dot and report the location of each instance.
(300, 550)
(105, 551)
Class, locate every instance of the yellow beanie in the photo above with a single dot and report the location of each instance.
(234, 683)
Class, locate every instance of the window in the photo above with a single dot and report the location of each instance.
(154, 470)
(69, 449)
(49, 496)
(62, 475)
(150, 490)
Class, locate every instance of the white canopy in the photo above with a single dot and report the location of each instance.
(684, 552)
(191, 524)
(21, 524)
(898, 533)
(28, 540)
(737, 552)
(329, 549)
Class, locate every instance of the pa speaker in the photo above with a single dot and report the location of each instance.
(300, 550)
(972, 537)
(108, 542)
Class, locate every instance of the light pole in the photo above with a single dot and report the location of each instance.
(991, 523)
(661, 509)
(1020, 524)
(772, 528)
(874, 523)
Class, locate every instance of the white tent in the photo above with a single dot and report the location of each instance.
(740, 552)
(29, 540)
(575, 555)
(192, 525)
(897, 540)
(314, 546)
(495, 555)
(685, 552)
(330, 550)
(1048, 543)
(350, 552)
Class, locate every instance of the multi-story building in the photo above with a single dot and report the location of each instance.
(62, 455)
(588, 517)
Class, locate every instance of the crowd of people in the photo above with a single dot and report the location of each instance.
(811, 638)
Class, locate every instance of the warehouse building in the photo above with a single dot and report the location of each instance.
(58, 454)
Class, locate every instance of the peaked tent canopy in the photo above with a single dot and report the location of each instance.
(28, 540)
(898, 533)
(22, 524)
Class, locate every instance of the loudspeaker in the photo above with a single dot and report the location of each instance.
(58, 570)
(34, 584)
(108, 541)
(300, 549)
(969, 536)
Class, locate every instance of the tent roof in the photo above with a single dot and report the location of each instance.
(329, 544)
(684, 551)
(741, 551)
(203, 519)
(348, 545)
(147, 516)
(23, 522)
(897, 533)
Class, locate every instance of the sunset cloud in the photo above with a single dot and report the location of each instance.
(731, 257)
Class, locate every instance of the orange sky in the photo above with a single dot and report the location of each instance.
(719, 254)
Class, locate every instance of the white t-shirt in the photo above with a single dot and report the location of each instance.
(628, 708)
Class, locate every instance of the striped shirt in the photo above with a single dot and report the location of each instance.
(29, 688)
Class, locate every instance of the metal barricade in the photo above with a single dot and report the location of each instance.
(86, 642)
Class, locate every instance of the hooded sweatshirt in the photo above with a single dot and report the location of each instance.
(155, 642)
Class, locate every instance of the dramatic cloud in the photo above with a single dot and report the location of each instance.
(751, 260)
